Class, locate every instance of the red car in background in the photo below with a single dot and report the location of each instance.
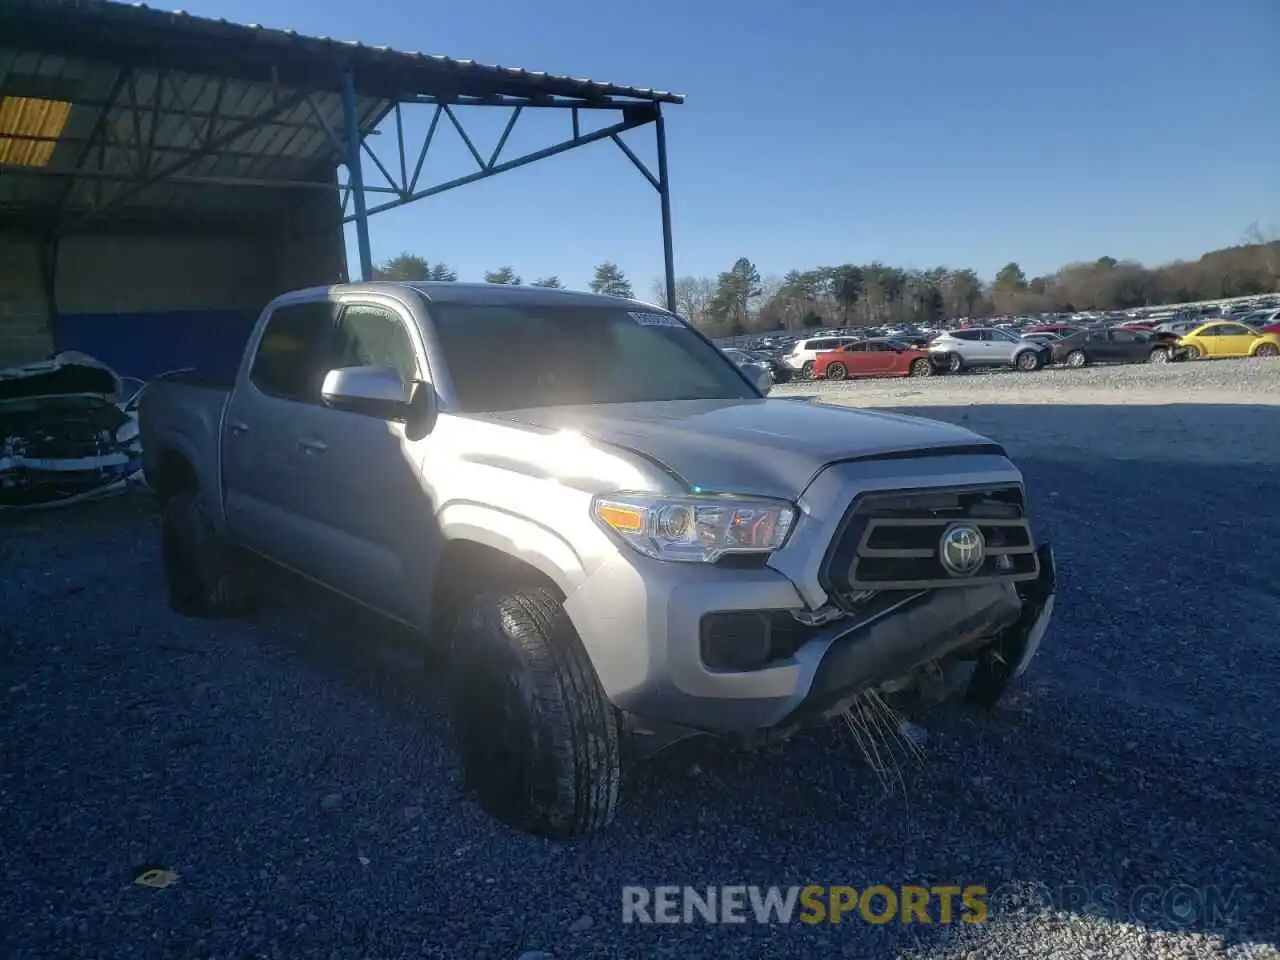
(873, 358)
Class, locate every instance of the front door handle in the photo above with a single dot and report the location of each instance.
(312, 446)
(237, 427)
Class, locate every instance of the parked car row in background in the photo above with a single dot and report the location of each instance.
(921, 351)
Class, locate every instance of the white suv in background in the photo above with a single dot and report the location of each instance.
(800, 357)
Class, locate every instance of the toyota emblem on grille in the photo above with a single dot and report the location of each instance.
(962, 549)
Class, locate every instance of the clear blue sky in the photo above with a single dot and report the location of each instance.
(955, 132)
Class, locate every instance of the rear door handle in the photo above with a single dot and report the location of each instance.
(238, 427)
(312, 446)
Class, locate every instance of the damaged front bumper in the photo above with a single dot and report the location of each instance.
(1001, 626)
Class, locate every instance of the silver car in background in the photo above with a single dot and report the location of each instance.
(958, 350)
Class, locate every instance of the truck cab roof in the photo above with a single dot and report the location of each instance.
(439, 291)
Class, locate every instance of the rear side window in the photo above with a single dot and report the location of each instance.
(287, 364)
(820, 345)
(371, 335)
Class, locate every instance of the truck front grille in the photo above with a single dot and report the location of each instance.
(892, 541)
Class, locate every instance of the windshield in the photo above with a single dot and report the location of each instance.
(512, 357)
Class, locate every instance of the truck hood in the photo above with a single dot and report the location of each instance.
(762, 447)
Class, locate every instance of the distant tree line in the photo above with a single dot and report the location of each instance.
(609, 278)
(739, 300)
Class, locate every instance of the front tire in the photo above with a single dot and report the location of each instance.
(806, 371)
(922, 367)
(837, 371)
(1159, 355)
(201, 573)
(1027, 361)
(1267, 350)
(955, 364)
(538, 736)
(1077, 359)
(1193, 352)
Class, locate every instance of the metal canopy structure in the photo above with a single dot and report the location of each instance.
(113, 114)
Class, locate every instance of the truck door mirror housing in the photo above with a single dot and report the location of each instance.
(379, 392)
(372, 391)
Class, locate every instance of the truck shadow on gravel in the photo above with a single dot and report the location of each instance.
(1130, 782)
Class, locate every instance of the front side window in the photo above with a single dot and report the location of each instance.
(512, 357)
(369, 335)
(288, 362)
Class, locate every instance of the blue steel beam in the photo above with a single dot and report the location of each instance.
(664, 196)
(355, 176)
(605, 133)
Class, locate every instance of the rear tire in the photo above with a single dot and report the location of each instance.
(1267, 350)
(922, 367)
(201, 570)
(538, 736)
(837, 371)
(1077, 359)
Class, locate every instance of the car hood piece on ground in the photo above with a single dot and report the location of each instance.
(759, 447)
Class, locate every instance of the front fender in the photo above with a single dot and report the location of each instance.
(539, 546)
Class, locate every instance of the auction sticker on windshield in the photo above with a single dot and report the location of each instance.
(655, 319)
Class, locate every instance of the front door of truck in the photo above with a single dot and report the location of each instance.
(272, 506)
(379, 524)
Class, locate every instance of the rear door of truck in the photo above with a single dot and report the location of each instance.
(272, 506)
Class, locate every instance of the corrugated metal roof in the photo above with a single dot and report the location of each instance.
(113, 147)
(120, 106)
(33, 118)
(115, 30)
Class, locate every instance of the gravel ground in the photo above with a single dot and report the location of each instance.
(295, 772)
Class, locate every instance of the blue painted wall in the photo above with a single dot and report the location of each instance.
(144, 345)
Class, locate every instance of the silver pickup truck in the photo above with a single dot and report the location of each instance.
(620, 539)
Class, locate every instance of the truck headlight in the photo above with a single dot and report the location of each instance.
(698, 529)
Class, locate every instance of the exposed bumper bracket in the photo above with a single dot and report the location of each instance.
(1009, 657)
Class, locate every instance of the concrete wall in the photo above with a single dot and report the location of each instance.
(145, 305)
(25, 334)
(149, 303)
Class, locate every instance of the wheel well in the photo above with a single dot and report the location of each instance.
(173, 474)
(467, 566)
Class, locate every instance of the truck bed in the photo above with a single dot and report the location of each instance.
(182, 414)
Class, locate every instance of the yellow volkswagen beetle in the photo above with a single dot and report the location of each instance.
(1223, 338)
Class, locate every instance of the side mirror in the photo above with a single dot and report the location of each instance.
(372, 391)
(378, 391)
